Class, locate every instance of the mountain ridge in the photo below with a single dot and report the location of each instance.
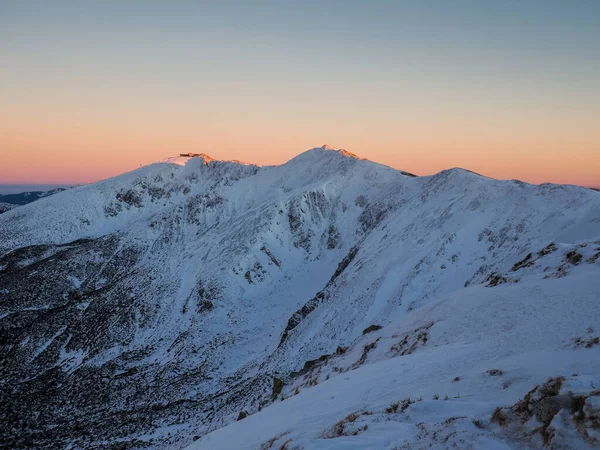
(320, 154)
(167, 300)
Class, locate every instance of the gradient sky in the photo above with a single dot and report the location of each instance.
(509, 89)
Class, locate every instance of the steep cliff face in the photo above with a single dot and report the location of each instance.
(155, 306)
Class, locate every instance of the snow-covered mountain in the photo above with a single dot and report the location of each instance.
(153, 308)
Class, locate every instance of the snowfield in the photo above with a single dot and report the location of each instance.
(327, 303)
(485, 348)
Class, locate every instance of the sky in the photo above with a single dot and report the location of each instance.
(509, 89)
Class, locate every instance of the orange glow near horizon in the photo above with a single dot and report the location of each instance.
(77, 158)
(90, 90)
(67, 144)
(68, 138)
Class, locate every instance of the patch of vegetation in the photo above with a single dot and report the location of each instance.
(589, 343)
(402, 405)
(340, 428)
(552, 386)
(592, 342)
(392, 408)
(366, 349)
(269, 444)
(410, 342)
(477, 424)
(499, 417)
(407, 402)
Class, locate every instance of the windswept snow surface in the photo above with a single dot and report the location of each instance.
(498, 342)
(155, 307)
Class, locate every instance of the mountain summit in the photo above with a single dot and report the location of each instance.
(154, 308)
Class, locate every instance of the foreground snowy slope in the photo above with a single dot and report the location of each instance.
(159, 305)
(436, 377)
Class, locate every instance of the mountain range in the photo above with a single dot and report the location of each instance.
(328, 302)
(23, 198)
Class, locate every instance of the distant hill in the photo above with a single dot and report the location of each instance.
(23, 198)
(11, 201)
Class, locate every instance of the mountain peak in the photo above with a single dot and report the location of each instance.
(341, 151)
(183, 158)
(325, 152)
(204, 156)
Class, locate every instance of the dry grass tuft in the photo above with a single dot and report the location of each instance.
(392, 408)
(269, 444)
(499, 417)
(478, 424)
(339, 428)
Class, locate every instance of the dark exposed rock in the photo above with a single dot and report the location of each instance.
(344, 263)
(372, 328)
(278, 385)
(525, 262)
(573, 257)
(130, 197)
(494, 279)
